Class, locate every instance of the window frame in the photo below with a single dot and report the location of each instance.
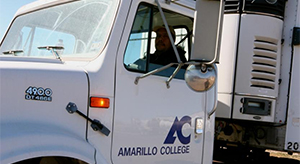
(150, 37)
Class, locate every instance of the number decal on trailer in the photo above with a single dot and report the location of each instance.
(40, 94)
(292, 146)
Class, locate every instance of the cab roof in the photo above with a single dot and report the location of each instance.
(38, 5)
(46, 3)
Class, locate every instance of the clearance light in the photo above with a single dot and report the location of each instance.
(99, 102)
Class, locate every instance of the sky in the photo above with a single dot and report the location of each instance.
(8, 8)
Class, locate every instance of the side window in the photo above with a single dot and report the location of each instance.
(136, 52)
(149, 46)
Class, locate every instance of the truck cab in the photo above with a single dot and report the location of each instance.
(77, 84)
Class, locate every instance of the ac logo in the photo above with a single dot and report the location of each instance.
(177, 127)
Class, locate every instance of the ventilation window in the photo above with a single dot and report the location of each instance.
(232, 6)
(264, 63)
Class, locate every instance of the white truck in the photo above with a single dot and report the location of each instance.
(258, 87)
(77, 85)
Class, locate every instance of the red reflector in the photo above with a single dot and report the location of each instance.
(99, 102)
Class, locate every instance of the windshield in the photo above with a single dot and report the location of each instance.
(78, 30)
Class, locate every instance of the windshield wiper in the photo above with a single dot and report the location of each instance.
(53, 49)
(12, 52)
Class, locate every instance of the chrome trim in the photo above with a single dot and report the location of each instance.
(258, 96)
(262, 13)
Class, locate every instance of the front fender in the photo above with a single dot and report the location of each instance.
(34, 121)
(24, 140)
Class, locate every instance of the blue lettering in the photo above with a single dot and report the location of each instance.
(170, 137)
(166, 150)
(182, 139)
(162, 152)
(133, 151)
(179, 149)
(154, 150)
(187, 150)
(138, 151)
(177, 127)
(145, 151)
(120, 152)
(127, 151)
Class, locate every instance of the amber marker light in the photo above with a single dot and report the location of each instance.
(99, 102)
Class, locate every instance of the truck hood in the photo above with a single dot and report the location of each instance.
(36, 92)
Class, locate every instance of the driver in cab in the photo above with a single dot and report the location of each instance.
(164, 53)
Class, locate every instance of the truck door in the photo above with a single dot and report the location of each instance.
(151, 121)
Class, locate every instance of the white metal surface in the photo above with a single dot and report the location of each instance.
(283, 92)
(138, 121)
(38, 5)
(292, 141)
(228, 53)
(210, 124)
(256, 31)
(227, 64)
(101, 73)
(293, 117)
(32, 128)
(207, 49)
(282, 132)
(145, 113)
(256, 75)
(145, 117)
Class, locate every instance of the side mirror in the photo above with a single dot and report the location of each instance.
(207, 31)
(200, 77)
(205, 51)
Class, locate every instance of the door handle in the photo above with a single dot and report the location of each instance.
(96, 124)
